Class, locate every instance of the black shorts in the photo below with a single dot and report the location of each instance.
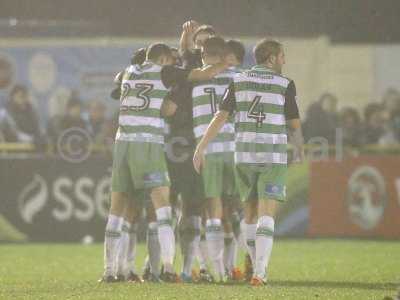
(185, 181)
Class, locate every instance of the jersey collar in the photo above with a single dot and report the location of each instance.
(262, 68)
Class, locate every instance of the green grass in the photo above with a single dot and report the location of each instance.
(300, 269)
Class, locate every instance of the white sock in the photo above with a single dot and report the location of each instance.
(202, 253)
(153, 248)
(250, 236)
(229, 251)
(264, 242)
(215, 243)
(131, 249)
(123, 249)
(192, 240)
(166, 237)
(146, 264)
(111, 243)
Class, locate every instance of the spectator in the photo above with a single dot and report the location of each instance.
(72, 119)
(19, 120)
(392, 135)
(391, 104)
(2, 139)
(373, 123)
(391, 100)
(322, 118)
(96, 122)
(350, 123)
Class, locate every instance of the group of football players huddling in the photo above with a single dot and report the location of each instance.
(201, 148)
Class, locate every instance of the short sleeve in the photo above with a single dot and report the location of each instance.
(291, 109)
(173, 75)
(229, 100)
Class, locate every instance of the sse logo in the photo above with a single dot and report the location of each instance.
(366, 197)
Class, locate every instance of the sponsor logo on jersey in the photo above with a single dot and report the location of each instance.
(156, 177)
(275, 190)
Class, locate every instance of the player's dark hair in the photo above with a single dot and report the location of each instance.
(203, 29)
(214, 46)
(237, 48)
(139, 56)
(155, 51)
(266, 48)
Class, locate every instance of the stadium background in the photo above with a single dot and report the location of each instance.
(349, 49)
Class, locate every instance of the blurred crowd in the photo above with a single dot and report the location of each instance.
(19, 120)
(378, 123)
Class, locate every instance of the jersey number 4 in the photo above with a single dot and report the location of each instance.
(143, 90)
(254, 113)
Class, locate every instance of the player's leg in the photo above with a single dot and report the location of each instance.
(249, 228)
(190, 239)
(231, 245)
(121, 181)
(153, 245)
(215, 236)
(190, 188)
(212, 174)
(264, 237)
(127, 254)
(246, 179)
(236, 219)
(163, 210)
(271, 190)
(231, 224)
(229, 242)
(149, 171)
(113, 235)
(202, 252)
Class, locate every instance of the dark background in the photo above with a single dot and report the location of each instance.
(361, 21)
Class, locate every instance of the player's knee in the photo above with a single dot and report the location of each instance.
(118, 202)
(160, 196)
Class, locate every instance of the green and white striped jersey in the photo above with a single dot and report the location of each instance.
(260, 123)
(207, 97)
(142, 94)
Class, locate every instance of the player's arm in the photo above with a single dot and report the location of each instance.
(294, 124)
(170, 103)
(226, 108)
(172, 75)
(208, 72)
(212, 131)
(168, 108)
(116, 92)
(186, 41)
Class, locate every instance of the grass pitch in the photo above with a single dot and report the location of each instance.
(300, 269)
